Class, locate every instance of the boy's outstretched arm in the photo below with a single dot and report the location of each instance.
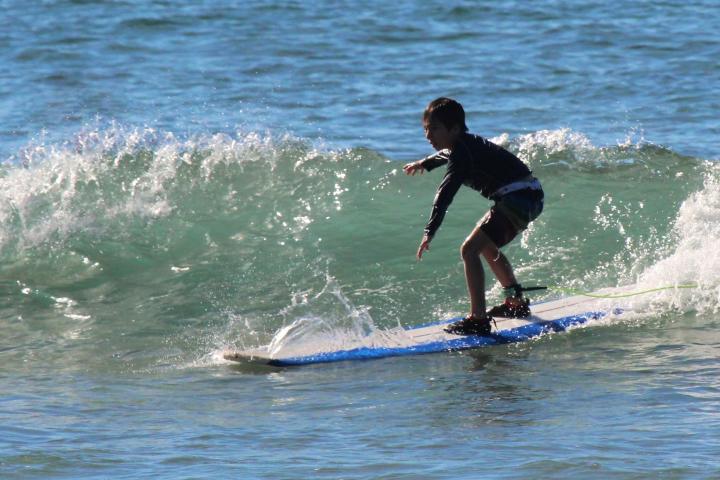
(428, 163)
(414, 167)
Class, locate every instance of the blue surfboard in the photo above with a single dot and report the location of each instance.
(552, 316)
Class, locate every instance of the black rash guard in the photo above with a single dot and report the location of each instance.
(475, 162)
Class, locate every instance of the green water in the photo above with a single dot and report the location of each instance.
(149, 250)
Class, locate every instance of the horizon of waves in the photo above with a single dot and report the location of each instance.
(141, 245)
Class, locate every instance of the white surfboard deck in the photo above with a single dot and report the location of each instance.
(551, 316)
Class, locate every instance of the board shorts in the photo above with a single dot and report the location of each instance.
(511, 214)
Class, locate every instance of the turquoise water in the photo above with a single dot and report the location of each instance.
(183, 178)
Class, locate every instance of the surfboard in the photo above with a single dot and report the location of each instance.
(550, 316)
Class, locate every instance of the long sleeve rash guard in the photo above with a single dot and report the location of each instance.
(475, 162)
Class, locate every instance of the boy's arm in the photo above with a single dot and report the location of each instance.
(435, 160)
(449, 186)
(446, 192)
(428, 163)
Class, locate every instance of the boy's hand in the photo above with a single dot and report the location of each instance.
(424, 245)
(413, 168)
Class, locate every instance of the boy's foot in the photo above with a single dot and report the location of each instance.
(470, 326)
(514, 307)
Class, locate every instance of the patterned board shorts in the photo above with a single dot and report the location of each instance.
(511, 214)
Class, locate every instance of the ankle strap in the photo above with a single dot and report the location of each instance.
(514, 290)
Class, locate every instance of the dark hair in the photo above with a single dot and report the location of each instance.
(446, 111)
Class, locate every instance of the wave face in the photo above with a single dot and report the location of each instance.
(155, 249)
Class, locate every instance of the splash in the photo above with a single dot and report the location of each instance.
(331, 320)
(696, 255)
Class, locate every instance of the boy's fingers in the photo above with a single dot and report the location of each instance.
(412, 168)
(421, 249)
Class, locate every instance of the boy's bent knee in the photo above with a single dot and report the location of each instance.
(490, 252)
(475, 244)
(469, 251)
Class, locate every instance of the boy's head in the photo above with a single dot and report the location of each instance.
(445, 111)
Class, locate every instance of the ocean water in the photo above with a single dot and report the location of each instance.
(181, 178)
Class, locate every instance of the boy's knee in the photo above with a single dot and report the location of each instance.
(468, 251)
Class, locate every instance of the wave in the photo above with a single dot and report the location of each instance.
(103, 177)
(228, 238)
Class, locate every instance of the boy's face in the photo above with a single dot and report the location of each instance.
(439, 136)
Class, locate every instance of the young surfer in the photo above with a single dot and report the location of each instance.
(498, 175)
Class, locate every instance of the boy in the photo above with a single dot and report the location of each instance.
(498, 175)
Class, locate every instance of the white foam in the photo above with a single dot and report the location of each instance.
(537, 147)
(51, 191)
(696, 256)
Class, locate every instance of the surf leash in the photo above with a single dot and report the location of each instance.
(572, 291)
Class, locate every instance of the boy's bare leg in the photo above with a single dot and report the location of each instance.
(502, 269)
(476, 244)
(500, 266)
(473, 246)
